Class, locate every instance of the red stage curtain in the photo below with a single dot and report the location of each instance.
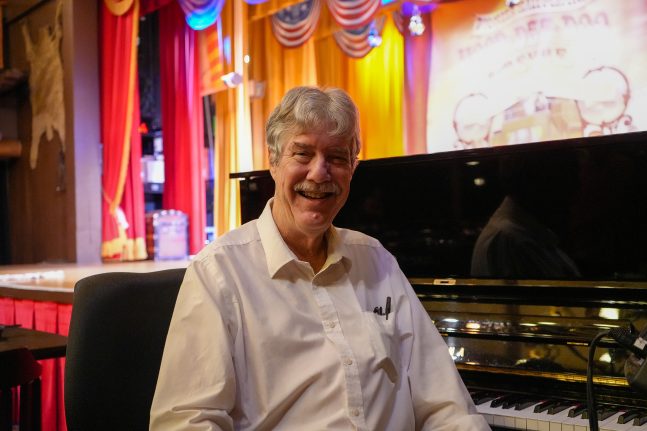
(182, 122)
(123, 199)
(148, 6)
(48, 317)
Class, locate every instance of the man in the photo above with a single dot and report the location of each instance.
(274, 325)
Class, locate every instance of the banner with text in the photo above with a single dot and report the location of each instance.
(537, 71)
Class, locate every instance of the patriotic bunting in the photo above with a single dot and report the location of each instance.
(355, 43)
(212, 66)
(295, 24)
(353, 14)
(401, 22)
(200, 14)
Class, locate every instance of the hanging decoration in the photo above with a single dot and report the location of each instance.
(294, 25)
(400, 21)
(200, 14)
(416, 26)
(46, 88)
(118, 7)
(353, 14)
(212, 61)
(357, 43)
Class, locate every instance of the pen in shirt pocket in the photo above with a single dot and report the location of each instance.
(386, 311)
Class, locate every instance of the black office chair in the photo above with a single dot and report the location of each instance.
(19, 369)
(117, 334)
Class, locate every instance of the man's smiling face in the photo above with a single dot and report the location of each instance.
(312, 178)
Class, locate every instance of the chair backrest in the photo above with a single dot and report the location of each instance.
(18, 368)
(117, 333)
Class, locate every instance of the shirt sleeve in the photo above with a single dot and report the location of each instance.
(196, 386)
(440, 400)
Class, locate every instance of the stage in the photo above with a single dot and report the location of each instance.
(55, 282)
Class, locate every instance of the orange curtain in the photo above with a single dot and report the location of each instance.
(123, 229)
(182, 122)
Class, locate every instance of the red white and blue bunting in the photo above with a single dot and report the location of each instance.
(200, 14)
(401, 22)
(353, 14)
(294, 25)
(356, 43)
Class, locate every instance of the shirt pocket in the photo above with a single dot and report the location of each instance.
(383, 339)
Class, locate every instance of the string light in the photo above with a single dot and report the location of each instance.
(374, 38)
(416, 27)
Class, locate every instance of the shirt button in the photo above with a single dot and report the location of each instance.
(354, 412)
(330, 324)
(348, 361)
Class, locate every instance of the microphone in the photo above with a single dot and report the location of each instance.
(635, 368)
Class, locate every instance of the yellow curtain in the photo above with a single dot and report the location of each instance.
(225, 193)
(226, 203)
(375, 82)
(279, 69)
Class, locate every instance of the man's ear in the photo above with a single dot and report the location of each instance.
(355, 164)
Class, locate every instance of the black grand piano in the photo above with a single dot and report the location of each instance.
(521, 255)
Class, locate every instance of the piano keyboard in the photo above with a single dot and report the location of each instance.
(518, 412)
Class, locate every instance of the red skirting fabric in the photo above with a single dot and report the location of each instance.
(48, 317)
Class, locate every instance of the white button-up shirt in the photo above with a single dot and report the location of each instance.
(258, 341)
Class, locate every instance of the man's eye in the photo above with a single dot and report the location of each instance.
(339, 159)
(301, 155)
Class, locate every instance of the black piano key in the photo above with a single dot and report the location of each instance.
(524, 404)
(545, 405)
(628, 416)
(603, 413)
(512, 402)
(641, 420)
(559, 407)
(498, 402)
(483, 397)
(577, 411)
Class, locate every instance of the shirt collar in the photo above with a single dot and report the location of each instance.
(278, 254)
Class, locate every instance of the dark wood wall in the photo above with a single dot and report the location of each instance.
(54, 209)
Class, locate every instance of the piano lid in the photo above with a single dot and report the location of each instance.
(563, 210)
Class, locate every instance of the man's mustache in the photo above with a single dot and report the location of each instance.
(311, 187)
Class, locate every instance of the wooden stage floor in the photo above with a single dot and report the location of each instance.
(55, 282)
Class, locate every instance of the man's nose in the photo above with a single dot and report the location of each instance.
(319, 170)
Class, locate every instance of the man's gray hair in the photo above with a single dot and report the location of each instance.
(312, 109)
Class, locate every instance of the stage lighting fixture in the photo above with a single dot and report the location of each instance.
(232, 79)
(416, 27)
(374, 38)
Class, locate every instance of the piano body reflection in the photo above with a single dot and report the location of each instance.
(521, 255)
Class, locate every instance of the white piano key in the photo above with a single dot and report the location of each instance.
(509, 418)
(611, 423)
